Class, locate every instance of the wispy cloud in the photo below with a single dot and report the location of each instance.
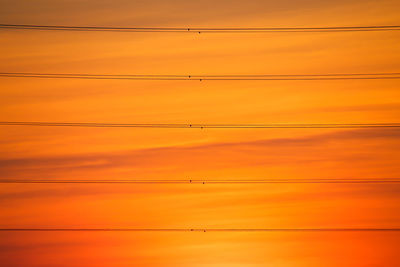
(268, 152)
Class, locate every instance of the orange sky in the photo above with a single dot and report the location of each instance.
(91, 153)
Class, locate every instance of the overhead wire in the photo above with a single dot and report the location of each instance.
(201, 29)
(202, 181)
(199, 229)
(202, 126)
(207, 77)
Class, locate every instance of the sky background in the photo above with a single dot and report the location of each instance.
(102, 153)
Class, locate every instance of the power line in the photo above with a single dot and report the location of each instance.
(221, 77)
(199, 181)
(199, 229)
(185, 76)
(203, 126)
(201, 29)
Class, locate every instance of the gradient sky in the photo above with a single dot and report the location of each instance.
(90, 153)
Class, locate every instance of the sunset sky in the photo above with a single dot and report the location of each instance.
(136, 153)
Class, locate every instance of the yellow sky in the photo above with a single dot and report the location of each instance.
(86, 153)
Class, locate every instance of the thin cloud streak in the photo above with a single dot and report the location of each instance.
(265, 152)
